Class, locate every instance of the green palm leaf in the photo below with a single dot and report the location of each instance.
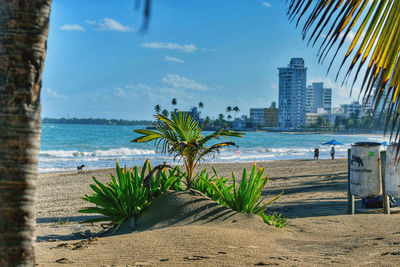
(374, 50)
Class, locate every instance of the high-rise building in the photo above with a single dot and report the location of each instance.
(292, 95)
(318, 97)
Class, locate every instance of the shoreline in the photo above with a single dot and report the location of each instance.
(207, 164)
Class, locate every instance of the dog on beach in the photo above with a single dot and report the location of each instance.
(79, 168)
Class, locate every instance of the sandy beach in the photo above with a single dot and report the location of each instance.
(199, 232)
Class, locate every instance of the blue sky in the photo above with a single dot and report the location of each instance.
(222, 53)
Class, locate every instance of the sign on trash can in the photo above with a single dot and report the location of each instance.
(364, 169)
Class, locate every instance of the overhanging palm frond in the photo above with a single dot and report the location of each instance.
(374, 26)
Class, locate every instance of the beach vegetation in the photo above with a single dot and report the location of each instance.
(246, 197)
(124, 197)
(202, 183)
(182, 137)
(275, 219)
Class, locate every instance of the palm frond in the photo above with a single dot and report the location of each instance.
(373, 51)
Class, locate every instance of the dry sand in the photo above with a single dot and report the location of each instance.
(192, 230)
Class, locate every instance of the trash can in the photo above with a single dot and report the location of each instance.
(364, 170)
(392, 172)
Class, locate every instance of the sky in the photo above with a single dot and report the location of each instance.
(223, 53)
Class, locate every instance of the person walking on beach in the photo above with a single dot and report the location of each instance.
(333, 152)
(316, 153)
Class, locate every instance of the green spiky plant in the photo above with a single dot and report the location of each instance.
(182, 138)
(275, 219)
(247, 197)
(202, 183)
(124, 198)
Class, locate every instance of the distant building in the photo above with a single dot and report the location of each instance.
(311, 118)
(257, 117)
(368, 104)
(240, 123)
(318, 97)
(354, 107)
(292, 95)
(336, 112)
(271, 116)
(264, 117)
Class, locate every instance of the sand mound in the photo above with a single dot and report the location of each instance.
(188, 208)
(177, 228)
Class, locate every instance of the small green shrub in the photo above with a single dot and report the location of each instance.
(246, 198)
(202, 183)
(125, 197)
(275, 219)
(161, 182)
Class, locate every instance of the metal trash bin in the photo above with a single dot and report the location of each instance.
(392, 172)
(364, 169)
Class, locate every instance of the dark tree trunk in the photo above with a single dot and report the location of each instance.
(24, 26)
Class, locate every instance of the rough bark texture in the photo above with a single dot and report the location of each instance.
(24, 28)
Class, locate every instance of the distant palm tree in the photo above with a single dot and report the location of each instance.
(157, 108)
(374, 49)
(228, 109)
(221, 117)
(236, 110)
(174, 103)
(201, 105)
(165, 112)
(229, 117)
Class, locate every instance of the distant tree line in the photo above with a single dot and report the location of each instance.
(97, 121)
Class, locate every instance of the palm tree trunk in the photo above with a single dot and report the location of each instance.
(24, 26)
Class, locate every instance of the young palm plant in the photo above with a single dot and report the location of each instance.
(181, 136)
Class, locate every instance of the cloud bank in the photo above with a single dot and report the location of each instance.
(187, 48)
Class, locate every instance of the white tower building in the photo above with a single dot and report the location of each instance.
(292, 95)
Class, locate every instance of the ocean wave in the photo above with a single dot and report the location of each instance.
(97, 153)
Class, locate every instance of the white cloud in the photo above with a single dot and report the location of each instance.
(349, 37)
(266, 4)
(72, 27)
(173, 59)
(176, 81)
(187, 48)
(53, 93)
(91, 22)
(119, 92)
(108, 24)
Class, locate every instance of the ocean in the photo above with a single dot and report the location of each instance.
(66, 146)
